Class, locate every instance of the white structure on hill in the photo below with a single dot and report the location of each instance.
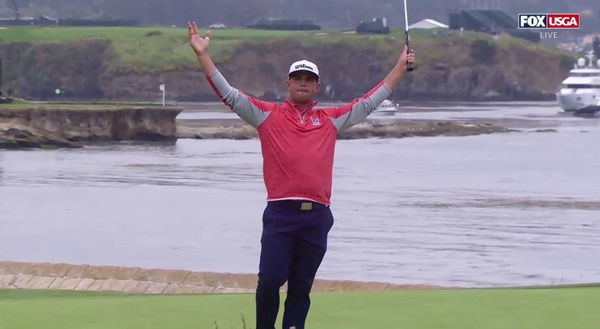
(428, 24)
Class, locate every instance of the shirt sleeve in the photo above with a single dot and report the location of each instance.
(250, 109)
(348, 115)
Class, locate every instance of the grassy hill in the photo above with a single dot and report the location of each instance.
(154, 49)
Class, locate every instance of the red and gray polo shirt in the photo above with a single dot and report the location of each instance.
(297, 146)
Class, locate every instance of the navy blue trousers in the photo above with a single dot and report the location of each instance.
(293, 243)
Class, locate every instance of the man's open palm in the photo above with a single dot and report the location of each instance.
(198, 43)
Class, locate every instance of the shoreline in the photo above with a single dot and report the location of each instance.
(65, 127)
(224, 129)
(136, 280)
(154, 281)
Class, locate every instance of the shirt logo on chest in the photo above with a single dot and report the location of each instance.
(315, 121)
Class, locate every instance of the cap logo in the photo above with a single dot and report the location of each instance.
(302, 66)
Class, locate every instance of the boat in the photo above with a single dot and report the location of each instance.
(387, 107)
(580, 91)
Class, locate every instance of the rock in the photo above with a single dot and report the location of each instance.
(51, 127)
(240, 131)
(17, 136)
(363, 130)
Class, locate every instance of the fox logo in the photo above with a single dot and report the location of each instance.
(549, 21)
(315, 121)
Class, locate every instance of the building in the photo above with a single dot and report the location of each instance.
(489, 21)
(427, 23)
(377, 25)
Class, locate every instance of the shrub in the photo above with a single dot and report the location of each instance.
(154, 34)
(483, 51)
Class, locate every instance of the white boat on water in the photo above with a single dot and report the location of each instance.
(387, 107)
(580, 91)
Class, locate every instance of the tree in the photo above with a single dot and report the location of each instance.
(15, 4)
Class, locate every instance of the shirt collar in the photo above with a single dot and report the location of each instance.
(310, 107)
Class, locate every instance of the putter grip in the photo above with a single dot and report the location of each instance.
(409, 66)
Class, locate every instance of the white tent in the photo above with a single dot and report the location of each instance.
(427, 24)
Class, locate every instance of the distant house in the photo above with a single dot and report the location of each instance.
(217, 26)
(377, 25)
(428, 23)
(17, 21)
(41, 20)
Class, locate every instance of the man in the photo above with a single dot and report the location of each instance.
(297, 143)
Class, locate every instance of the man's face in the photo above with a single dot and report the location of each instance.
(303, 86)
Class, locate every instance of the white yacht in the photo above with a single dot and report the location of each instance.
(386, 107)
(580, 91)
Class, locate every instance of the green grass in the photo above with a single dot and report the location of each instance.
(22, 105)
(149, 49)
(45, 34)
(160, 49)
(544, 308)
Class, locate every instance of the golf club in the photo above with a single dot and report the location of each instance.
(409, 66)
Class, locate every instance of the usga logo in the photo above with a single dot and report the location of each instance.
(549, 21)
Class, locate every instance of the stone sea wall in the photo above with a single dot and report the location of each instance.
(64, 127)
(136, 280)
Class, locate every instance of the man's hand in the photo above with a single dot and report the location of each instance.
(198, 43)
(393, 78)
(406, 57)
(200, 47)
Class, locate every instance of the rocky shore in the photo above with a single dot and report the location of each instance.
(55, 126)
(406, 128)
(65, 126)
(136, 280)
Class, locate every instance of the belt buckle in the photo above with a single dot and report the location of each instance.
(306, 206)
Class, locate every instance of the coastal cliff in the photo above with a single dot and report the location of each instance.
(64, 126)
(475, 66)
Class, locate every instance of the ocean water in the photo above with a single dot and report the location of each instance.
(511, 209)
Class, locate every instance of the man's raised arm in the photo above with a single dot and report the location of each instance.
(251, 110)
(200, 46)
(348, 115)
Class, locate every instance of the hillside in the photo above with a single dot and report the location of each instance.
(130, 63)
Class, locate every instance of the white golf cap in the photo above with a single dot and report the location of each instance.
(304, 65)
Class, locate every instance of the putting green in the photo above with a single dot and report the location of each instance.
(572, 308)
